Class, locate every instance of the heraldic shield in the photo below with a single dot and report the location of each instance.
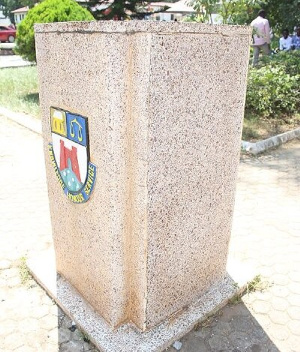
(69, 153)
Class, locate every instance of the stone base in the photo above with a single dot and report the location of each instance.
(127, 338)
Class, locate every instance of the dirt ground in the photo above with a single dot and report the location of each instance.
(254, 129)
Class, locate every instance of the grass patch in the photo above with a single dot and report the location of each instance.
(19, 90)
(257, 284)
(24, 272)
(208, 321)
(250, 130)
(85, 337)
(19, 93)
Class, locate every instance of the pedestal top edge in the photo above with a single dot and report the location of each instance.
(135, 26)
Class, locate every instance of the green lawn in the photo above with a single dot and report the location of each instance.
(19, 90)
(19, 93)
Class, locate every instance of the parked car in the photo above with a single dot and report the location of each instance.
(7, 34)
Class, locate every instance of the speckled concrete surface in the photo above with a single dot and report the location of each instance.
(159, 218)
(265, 234)
(127, 338)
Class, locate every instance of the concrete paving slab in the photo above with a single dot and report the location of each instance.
(7, 45)
(7, 61)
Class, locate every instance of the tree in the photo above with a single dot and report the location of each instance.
(8, 6)
(283, 14)
(120, 9)
(46, 12)
(238, 11)
(230, 11)
(11, 5)
(204, 9)
(29, 3)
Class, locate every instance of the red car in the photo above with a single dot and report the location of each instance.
(7, 34)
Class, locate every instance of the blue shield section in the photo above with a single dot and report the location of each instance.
(77, 128)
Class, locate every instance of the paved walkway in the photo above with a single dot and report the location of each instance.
(266, 234)
(13, 61)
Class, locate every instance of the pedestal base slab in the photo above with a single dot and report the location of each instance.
(127, 338)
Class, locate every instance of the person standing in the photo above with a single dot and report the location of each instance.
(261, 36)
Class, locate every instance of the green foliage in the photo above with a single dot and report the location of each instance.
(238, 11)
(8, 6)
(257, 284)
(46, 12)
(19, 90)
(115, 10)
(85, 337)
(24, 272)
(29, 3)
(274, 88)
(290, 60)
(283, 14)
(120, 9)
(231, 11)
(204, 9)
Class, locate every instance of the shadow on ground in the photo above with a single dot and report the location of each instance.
(282, 160)
(32, 98)
(232, 329)
(70, 338)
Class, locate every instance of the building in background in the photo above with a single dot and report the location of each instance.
(176, 11)
(180, 9)
(159, 16)
(19, 14)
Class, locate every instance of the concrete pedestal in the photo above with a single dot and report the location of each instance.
(164, 104)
